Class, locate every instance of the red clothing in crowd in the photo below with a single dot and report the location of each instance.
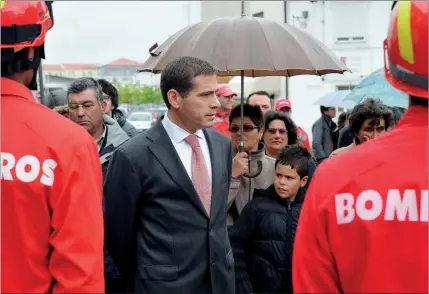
(221, 123)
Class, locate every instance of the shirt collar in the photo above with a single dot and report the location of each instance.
(11, 88)
(100, 140)
(176, 133)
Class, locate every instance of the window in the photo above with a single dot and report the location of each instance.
(258, 14)
(345, 87)
(349, 21)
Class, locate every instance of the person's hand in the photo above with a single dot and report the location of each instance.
(240, 164)
(367, 138)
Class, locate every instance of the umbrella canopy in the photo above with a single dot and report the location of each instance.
(336, 99)
(248, 46)
(376, 86)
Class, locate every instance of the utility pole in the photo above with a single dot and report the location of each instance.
(43, 97)
(189, 12)
(285, 9)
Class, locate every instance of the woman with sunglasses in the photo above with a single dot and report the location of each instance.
(241, 189)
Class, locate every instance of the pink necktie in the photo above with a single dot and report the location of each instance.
(200, 173)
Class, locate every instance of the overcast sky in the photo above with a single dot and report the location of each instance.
(100, 32)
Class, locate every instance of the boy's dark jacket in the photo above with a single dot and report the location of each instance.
(262, 241)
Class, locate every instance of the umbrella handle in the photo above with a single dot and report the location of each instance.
(255, 174)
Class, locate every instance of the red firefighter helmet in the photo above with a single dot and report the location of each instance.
(24, 23)
(406, 63)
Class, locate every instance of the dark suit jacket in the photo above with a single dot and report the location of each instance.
(157, 229)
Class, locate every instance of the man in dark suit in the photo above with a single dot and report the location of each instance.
(166, 193)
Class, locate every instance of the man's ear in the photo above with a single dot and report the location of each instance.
(173, 97)
(304, 181)
(103, 104)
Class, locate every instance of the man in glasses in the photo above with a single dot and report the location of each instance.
(241, 189)
(86, 107)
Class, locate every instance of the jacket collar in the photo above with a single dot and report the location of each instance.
(271, 192)
(12, 88)
(115, 137)
(415, 116)
(256, 155)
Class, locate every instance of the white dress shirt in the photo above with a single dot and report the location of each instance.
(177, 136)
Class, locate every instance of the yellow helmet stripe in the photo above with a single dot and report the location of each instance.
(2, 3)
(405, 40)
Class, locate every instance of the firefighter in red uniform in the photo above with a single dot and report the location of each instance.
(364, 223)
(51, 185)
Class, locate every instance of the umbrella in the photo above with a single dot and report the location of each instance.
(376, 86)
(247, 46)
(336, 99)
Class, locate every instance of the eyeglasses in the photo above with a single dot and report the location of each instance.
(87, 105)
(246, 128)
(273, 131)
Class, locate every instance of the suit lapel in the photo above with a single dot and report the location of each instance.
(163, 149)
(217, 168)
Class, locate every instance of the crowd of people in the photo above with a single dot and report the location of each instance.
(215, 198)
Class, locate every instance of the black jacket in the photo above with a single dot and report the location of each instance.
(128, 128)
(262, 241)
(157, 230)
(346, 137)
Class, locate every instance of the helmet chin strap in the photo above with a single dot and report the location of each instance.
(14, 63)
(33, 84)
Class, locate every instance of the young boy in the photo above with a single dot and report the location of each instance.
(262, 238)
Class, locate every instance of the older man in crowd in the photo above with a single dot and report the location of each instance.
(261, 99)
(86, 108)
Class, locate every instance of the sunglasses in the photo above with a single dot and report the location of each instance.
(246, 128)
(274, 131)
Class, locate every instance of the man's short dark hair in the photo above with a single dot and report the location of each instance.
(258, 93)
(369, 109)
(81, 84)
(253, 112)
(110, 90)
(324, 108)
(295, 156)
(179, 75)
(292, 132)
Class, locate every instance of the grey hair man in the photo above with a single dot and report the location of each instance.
(86, 108)
(86, 105)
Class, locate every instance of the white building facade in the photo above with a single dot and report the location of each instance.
(353, 30)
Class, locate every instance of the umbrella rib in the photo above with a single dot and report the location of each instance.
(302, 48)
(268, 44)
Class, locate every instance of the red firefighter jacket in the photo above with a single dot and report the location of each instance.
(364, 223)
(51, 200)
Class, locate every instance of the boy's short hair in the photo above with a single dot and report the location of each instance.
(296, 156)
